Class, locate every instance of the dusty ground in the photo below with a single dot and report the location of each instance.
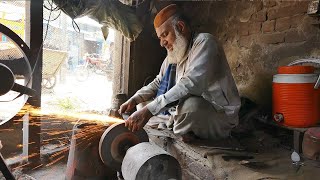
(71, 94)
(56, 172)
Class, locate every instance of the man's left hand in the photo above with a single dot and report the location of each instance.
(138, 119)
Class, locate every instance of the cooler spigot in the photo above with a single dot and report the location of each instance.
(278, 117)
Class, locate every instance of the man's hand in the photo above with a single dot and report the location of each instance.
(138, 119)
(128, 106)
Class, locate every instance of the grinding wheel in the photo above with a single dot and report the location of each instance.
(115, 142)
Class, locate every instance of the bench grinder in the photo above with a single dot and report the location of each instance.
(136, 158)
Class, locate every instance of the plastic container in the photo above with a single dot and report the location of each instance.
(296, 101)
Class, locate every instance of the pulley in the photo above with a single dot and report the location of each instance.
(115, 142)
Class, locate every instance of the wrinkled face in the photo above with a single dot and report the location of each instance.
(174, 41)
(166, 35)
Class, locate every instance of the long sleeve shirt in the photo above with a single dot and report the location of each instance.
(204, 72)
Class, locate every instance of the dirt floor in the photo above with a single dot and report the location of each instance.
(72, 95)
(54, 172)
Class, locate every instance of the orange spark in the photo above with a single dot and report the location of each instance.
(53, 162)
(37, 167)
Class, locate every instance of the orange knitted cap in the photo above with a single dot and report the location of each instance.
(164, 15)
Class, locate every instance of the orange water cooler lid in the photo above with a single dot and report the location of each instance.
(296, 70)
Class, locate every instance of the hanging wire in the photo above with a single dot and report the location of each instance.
(75, 24)
(41, 47)
(54, 18)
(51, 9)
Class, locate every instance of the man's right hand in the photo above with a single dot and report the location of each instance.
(128, 106)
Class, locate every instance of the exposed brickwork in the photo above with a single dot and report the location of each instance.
(296, 20)
(268, 26)
(283, 24)
(246, 41)
(243, 29)
(287, 3)
(294, 36)
(272, 38)
(233, 33)
(286, 33)
(260, 16)
(255, 28)
(269, 3)
(312, 20)
(276, 12)
(258, 5)
(286, 23)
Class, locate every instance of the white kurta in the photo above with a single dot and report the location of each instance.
(204, 73)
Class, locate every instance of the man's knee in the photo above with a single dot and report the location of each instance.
(193, 104)
(197, 115)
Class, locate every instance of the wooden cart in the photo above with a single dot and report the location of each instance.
(52, 61)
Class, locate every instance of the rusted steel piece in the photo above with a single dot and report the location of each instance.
(146, 161)
(115, 142)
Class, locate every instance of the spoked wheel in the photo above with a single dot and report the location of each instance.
(49, 83)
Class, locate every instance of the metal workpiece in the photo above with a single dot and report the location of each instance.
(115, 142)
(147, 161)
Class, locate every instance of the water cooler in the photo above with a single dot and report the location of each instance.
(296, 96)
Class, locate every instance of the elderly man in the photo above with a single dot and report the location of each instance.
(194, 78)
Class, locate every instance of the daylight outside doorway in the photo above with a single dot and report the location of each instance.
(77, 65)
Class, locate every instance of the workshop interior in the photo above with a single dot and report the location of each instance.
(66, 67)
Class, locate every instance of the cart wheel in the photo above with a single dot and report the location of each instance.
(49, 83)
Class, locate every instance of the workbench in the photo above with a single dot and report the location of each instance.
(201, 160)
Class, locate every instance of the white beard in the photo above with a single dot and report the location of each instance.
(179, 48)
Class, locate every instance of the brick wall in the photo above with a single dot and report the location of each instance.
(258, 36)
(276, 23)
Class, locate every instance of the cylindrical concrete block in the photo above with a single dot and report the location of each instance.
(146, 161)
